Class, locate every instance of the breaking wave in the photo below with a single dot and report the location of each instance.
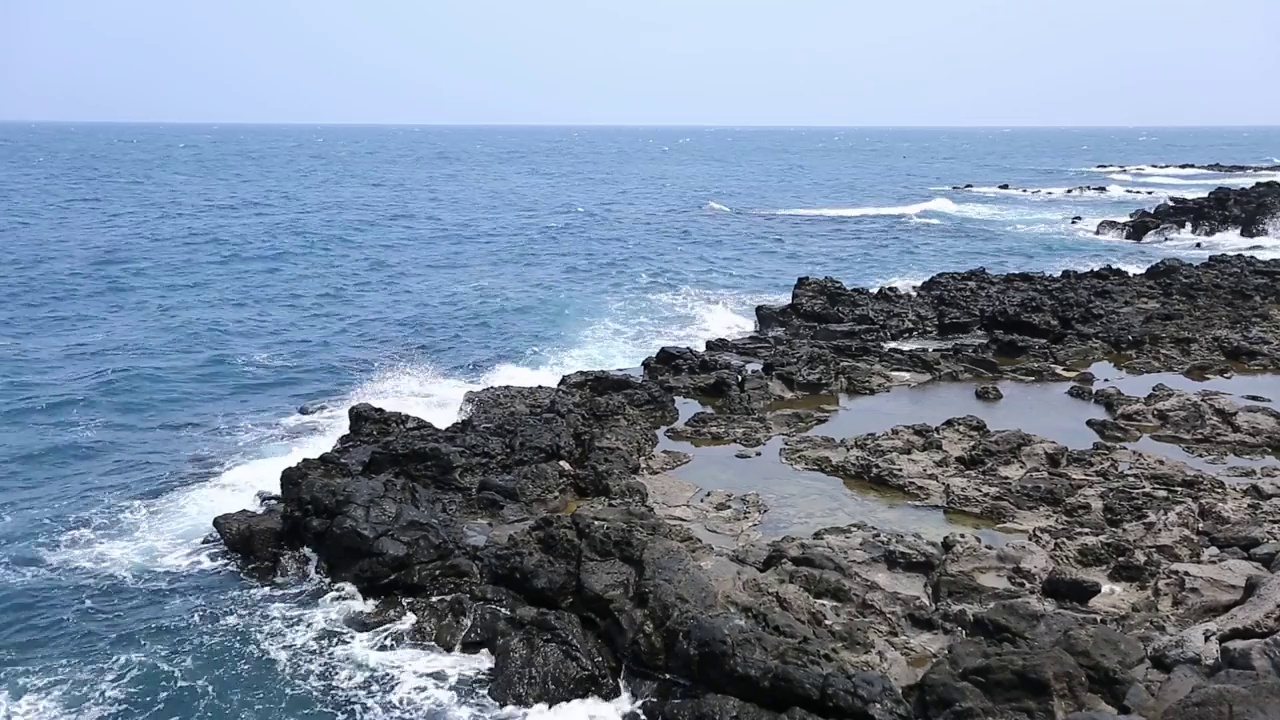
(1231, 242)
(941, 205)
(1229, 180)
(304, 629)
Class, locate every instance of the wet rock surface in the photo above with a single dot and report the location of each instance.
(547, 529)
(1204, 422)
(1249, 210)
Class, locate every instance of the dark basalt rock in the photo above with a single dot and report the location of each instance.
(1113, 578)
(1211, 167)
(1247, 209)
(975, 326)
(977, 681)
(1061, 586)
(256, 538)
(548, 657)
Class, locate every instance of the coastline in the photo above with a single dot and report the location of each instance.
(544, 529)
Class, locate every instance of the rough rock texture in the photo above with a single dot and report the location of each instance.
(1205, 422)
(543, 529)
(1250, 210)
(1212, 318)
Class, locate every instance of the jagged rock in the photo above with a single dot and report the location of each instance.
(547, 657)
(256, 538)
(1061, 586)
(1265, 554)
(1247, 209)
(1113, 431)
(541, 528)
(1205, 419)
(979, 682)
(1240, 698)
(1261, 655)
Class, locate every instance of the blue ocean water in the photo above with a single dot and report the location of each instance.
(170, 295)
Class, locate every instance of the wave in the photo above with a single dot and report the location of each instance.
(304, 627)
(942, 205)
(1248, 179)
(383, 670)
(164, 534)
(717, 207)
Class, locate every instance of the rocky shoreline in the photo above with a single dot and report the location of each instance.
(545, 528)
(1250, 210)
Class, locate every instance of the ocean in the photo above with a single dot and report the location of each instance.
(171, 296)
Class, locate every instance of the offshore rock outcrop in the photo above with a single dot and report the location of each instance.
(1211, 167)
(538, 527)
(1250, 210)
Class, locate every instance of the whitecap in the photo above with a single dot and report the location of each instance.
(713, 205)
(905, 283)
(1228, 180)
(1230, 242)
(164, 534)
(943, 205)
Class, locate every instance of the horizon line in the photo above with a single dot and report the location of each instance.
(736, 126)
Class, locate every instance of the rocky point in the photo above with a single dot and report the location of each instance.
(1110, 583)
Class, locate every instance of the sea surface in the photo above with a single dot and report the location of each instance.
(171, 295)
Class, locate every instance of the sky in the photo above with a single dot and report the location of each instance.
(644, 62)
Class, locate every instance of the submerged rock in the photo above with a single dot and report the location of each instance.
(989, 393)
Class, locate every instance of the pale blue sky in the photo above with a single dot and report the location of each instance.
(735, 62)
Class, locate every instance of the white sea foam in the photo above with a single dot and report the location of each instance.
(36, 705)
(376, 672)
(717, 207)
(382, 671)
(165, 533)
(1186, 244)
(1215, 180)
(941, 205)
(905, 283)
